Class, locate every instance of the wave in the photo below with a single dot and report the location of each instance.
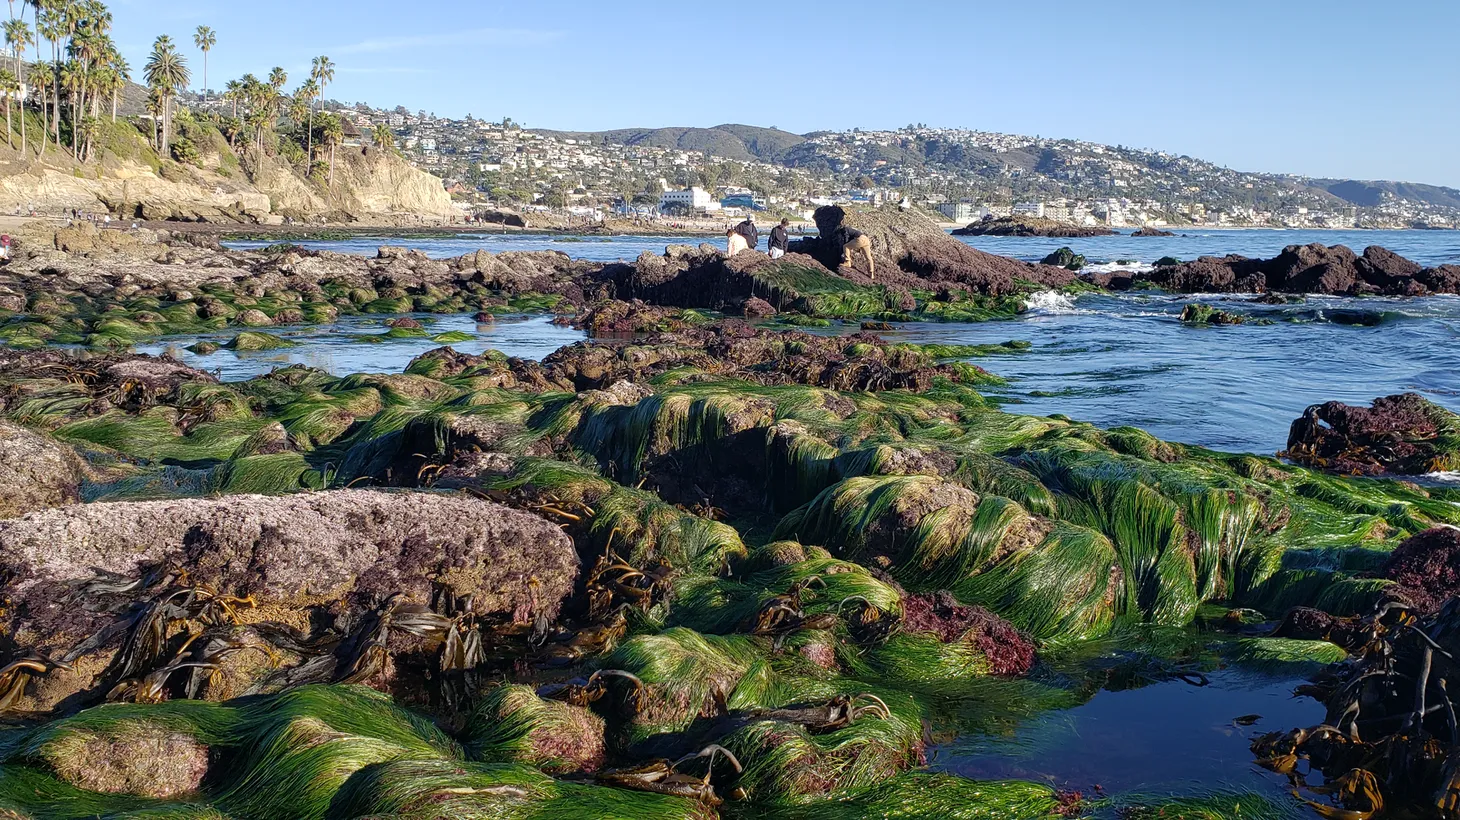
(1051, 303)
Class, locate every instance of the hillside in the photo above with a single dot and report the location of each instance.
(737, 142)
(969, 164)
(1373, 193)
(217, 183)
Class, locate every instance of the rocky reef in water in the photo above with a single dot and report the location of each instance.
(1151, 232)
(1314, 268)
(1030, 226)
(705, 568)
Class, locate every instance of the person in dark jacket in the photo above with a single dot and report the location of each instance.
(780, 239)
(851, 239)
(747, 230)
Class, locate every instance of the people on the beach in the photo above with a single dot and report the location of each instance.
(851, 239)
(780, 239)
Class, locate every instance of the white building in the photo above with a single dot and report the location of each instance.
(1034, 209)
(694, 199)
(962, 212)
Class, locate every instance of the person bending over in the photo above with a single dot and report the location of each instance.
(850, 240)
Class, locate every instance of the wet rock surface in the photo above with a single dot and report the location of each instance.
(1030, 226)
(36, 472)
(1404, 435)
(1315, 268)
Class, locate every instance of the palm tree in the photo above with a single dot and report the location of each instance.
(205, 38)
(43, 74)
(119, 72)
(51, 24)
(384, 137)
(232, 92)
(11, 87)
(17, 37)
(331, 133)
(308, 91)
(166, 72)
(277, 78)
(323, 73)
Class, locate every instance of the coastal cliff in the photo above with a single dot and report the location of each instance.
(128, 179)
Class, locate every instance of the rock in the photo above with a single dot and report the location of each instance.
(1311, 268)
(1404, 434)
(253, 318)
(130, 756)
(202, 348)
(346, 550)
(35, 472)
(912, 251)
(1065, 258)
(1009, 652)
(484, 318)
(756, 308)
(1198, 313)
(1149, 231)
(250, 341)
(1426, 568)
(404, 323)
(1030, 226)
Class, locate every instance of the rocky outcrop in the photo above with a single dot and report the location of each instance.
(1312, 268)
(1426, 568)
(912, 251)
(1404, 435)
(1151, 232)
(35, 472)
(293, 560)
(370, 181)
(1030, 226)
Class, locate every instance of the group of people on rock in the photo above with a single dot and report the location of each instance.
(745, 236)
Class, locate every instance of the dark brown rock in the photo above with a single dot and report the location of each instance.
(1030, 226)
(1404, 435)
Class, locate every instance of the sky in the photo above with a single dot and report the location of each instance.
(1330, 88)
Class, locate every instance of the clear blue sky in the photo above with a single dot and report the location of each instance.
(1346, 88)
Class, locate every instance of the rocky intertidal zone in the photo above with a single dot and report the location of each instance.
(1315, 268)
(1030, 226)
(706, 570)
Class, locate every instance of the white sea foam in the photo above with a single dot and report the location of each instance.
(1048, 301)
(1112, 267)
(1445, 477)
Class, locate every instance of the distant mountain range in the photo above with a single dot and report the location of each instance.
(738, 142)
(1027, 165)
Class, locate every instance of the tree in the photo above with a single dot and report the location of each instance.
(323, 73)
(277, 78)
(331, 133)
(232, 93)
(166, 72)
(17, 37)
(205, 38)
(10, 86)
(384, 137)
(307, 92)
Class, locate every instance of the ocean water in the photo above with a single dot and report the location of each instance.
(1424, 247)
(1123, 359)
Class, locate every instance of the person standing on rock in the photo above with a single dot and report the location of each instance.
(780, 239)
(851, 239)
(747, 231)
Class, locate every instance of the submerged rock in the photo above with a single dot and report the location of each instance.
(1198, 313)
(1404, 434)
(1065, 258)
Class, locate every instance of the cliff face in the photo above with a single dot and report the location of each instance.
(129, 179)
(371, 181)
